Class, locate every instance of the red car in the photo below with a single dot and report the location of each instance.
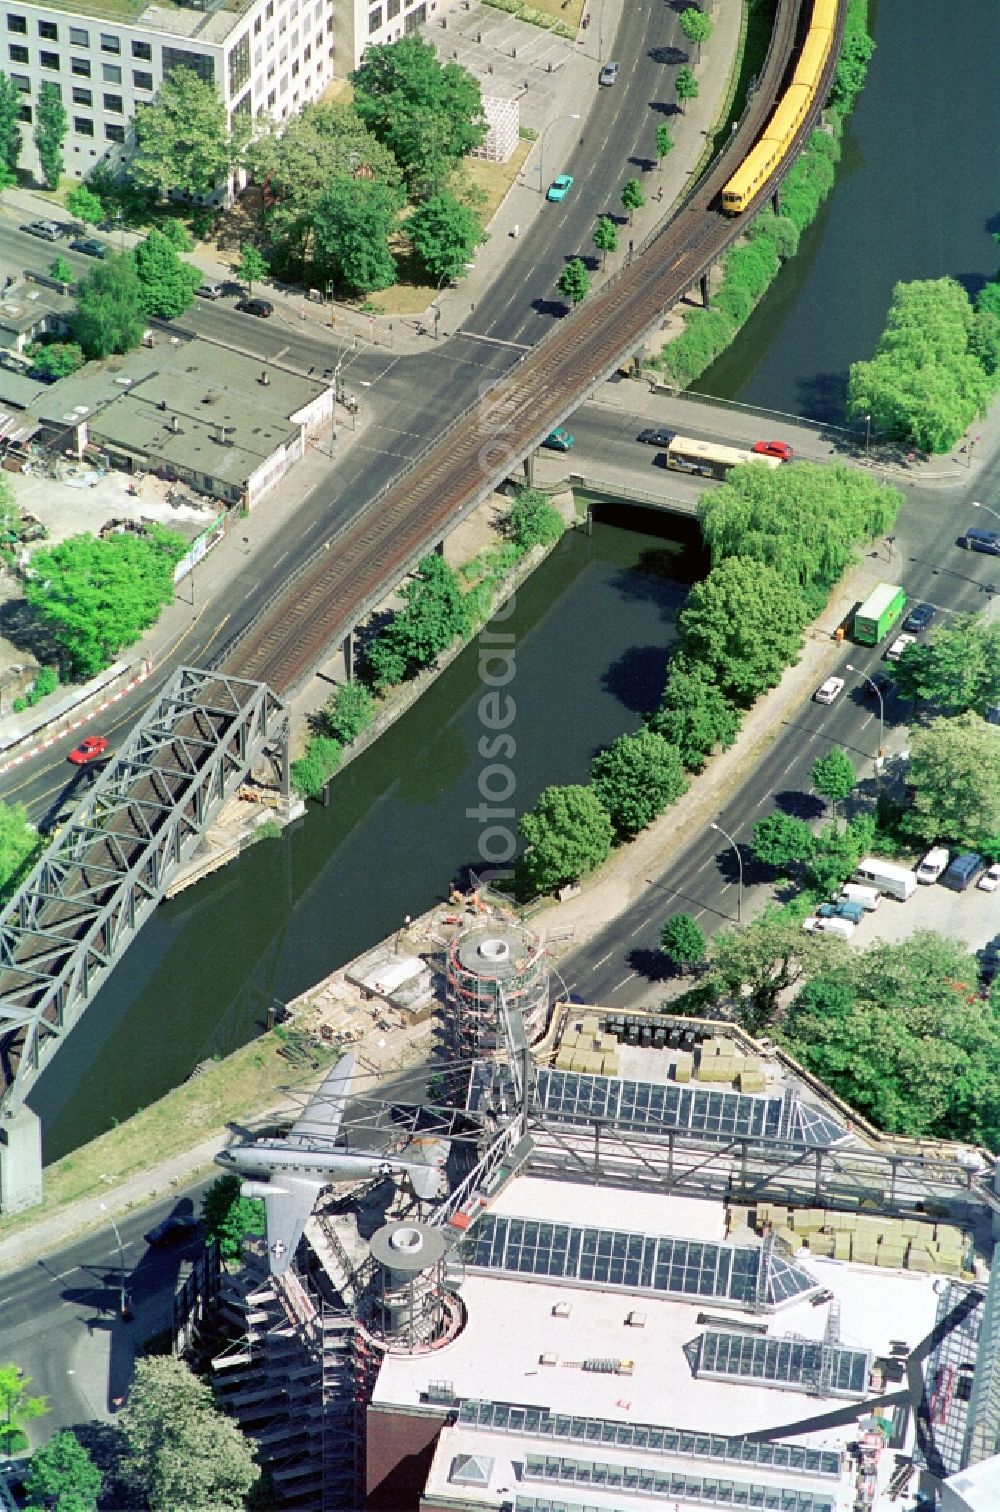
(89, 750)
(780, 449)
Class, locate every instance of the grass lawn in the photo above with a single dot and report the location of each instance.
(568, 14)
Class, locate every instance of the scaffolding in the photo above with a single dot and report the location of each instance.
(492, 961)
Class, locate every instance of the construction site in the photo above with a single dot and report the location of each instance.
(661, 1264)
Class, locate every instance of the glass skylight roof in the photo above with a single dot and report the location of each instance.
(710, 1490)
(614, 1257)
(792, 1363)
(538, 1422)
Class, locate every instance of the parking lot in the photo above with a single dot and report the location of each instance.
(972, 916)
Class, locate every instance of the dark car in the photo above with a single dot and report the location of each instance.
(974, 539)
(919, 617)
(89, 246)
(261, 307)
(655, 437)
(173, 1230)
(989, 959)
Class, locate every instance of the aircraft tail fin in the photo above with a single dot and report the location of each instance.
(426, 1159)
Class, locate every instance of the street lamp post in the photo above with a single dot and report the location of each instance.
(739, 862)
(881, 716)
(541, 147)
(868, 434)
(122, 1303)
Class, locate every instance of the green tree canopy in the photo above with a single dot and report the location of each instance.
(55, 360)
(168, 284)
(781, 841)
(61, 270)
(834, 776)
(837, 849)
(96, 597)
(686, 86)
(348, 712)
(633, 198)
(957, 667)
(696, 26)
(574, 281)
(743, 623)
(87, 206)
(19, 845)
(755, 965)
(899, 1031)
(352, 224)
(109, 315)
(605, 237)
(252, 267)
(444, 235)
(682, 940)
(664, 143)
(183, 144)
(182, 1451)
(435, 612)
(63, 1475)
(636, 778)
(855, 54)
(429, 114)
(17, 1408)
(568, 833)
(10, 114)
(532, 520)
(50, 133)
(954, 771)
(695, 716)
(230, 1217)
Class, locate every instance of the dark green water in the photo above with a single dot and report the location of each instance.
(589, 636)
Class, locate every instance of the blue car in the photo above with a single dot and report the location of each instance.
(844, 908)
(559, 188)
(559, 440)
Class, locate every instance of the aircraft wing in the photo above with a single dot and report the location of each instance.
(321, 1118)
(425, 1161)
(286, 1211)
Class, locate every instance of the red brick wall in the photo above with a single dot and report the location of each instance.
(400, 1449)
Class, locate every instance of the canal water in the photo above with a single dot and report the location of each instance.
(589, 634)
(915, 197)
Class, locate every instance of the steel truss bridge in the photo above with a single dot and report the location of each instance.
(81, 907)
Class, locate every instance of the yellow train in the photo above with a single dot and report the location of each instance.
(791, 110)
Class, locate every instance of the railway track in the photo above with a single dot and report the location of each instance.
(356, 567)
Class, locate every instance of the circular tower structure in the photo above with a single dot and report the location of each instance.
(493, 959)
(409, 1306)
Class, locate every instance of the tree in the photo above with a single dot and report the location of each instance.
(177, 234)
(19, 845)
(444, 235)
(743, 623)
(182, 1451)
(780, 841)
(852, 65)
(349, 711)
(532, 520)
(252, 267)
(168, 284)
(17, 1408)
(636, 778)
(682, 940)
(695, 716)
(574, 281)
(633, 198)
(50, 133)
(568, 833)
(954, 771)
(87, 206)
(435, 612)
(61, 270)
(352, 225)
(109, 314)
(8, 178)
(757, 964)
(56, 360)
(183, 143)
(697, 27)
(686, 86)
(430, 115)
(664, 143)
(605, 237)
(837, 849)
(96, 597)
(957, 667)
(230, 1217)
(63, 1475)
(833, 776)
(10, 131)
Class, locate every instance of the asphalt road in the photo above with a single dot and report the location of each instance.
(622, 964)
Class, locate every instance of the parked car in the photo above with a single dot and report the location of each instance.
(843, 908)
(780, 449)
(919, 618)
(46, 229)
(559, 188)
(559, 440)
(989, 959)
(88, 750)
(990, 880)
(261, 307)
(210, 290)
(933, 864)
(608, 74)
(173, 1230)
(973, 539)
(828, 691)
(963, 871)
(898, 646)
(657, 436)
(835, 926)
(89, 246)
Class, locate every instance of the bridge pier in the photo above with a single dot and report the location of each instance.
(529, 470)
(703, 286)
(347, 651)
(20, 1160)
(776, 201)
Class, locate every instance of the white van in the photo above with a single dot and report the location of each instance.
(933, 864)
(842, 927)
(868, 897)
(897, 881)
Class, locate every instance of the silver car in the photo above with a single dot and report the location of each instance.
(608, 74)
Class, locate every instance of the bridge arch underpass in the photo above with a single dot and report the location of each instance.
(95, 886)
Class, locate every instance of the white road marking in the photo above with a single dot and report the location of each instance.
(623, 981)
(602, 960)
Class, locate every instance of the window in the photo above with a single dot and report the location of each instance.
(24, 114)
(258, 24)
(269, 12)
(82, 97)
(78, 37)
(391, 10)
(143, 51)
(374, 19)
(142, 80)
(114, 102)
(16, 53)
(295, 68)
(81, 67)
(49, 60)
(271, 99)
(110, 43)
(114, 133)
(17, 24)
(111, 73)
(82, 126)
(21, 82)
(182, 57)
(48, 31)
(239, 64)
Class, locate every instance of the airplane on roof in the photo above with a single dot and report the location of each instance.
(289, 1173)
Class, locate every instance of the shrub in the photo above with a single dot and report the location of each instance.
(349, 711)
(313, 770)
(533, 521)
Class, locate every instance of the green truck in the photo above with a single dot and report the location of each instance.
(880, 611)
